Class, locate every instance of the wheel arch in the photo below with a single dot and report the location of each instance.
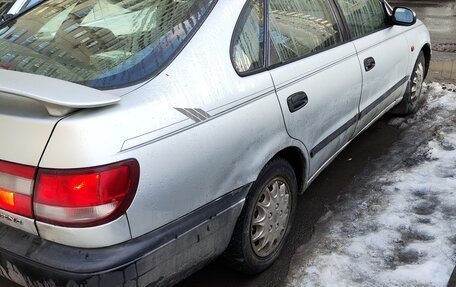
(297, 160)
(427, 55)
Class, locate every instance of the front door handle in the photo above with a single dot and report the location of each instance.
(369, 64)
(297, 101)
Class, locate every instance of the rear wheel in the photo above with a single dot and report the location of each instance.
(413, 97)
(266, 219)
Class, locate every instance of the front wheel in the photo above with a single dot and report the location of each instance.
(266, 219)
(413, 96)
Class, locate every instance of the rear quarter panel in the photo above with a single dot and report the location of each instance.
(184, 164)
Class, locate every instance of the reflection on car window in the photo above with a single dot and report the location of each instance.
(32, 3)
(5, 5)
(403, 15)
(301, 27)
(247, 53)
(99, 43)
(52, 26)
(363, 16)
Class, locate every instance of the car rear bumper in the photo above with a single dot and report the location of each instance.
(161, 257)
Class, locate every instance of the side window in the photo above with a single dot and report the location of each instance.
(248, 41)
(301, 27)
(363, 16)
(30, 4)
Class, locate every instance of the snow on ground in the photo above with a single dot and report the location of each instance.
(399, 228)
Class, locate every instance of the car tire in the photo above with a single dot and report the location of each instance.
(266, 219)
(413, 96)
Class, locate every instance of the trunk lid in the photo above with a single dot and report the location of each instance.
(30, 108)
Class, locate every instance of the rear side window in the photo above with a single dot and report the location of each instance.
(299, 28)
(247, 52)
(363, 16)
(100, 43)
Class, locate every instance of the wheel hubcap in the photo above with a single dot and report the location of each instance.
(417, 83)
(270, 217)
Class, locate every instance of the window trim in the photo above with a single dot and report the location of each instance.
(344, 20)
(240, 22)
(274, 66)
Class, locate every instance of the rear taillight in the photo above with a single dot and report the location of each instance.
(85, 197)
(16, 186)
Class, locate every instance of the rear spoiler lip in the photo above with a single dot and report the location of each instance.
(58, 97)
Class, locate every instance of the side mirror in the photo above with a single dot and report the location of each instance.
(403, 16)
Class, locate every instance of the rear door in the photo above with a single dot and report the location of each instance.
(383, 55)
(316, 74)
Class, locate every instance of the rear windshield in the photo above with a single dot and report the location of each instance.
(5, 5)
(100, 43)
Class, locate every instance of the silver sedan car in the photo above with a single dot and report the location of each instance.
(142, 139)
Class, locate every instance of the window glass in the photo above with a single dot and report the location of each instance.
(301, 27)
(363, 16)
(5, 5)
(31, 3)
(99, 43)
(247, 53)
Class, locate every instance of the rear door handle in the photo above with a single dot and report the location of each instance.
(297, 101)
(369, 64)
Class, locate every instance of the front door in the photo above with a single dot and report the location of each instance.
(383, 55)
